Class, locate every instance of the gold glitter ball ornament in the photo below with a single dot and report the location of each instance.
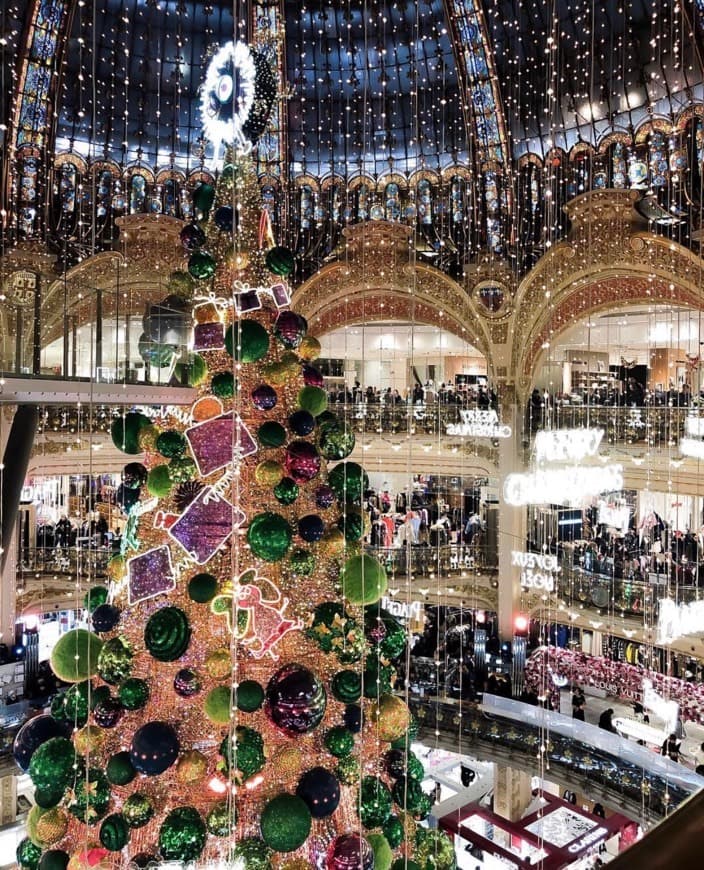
(295, 864)
(147, 439)
(333, 542)
(89, 739)
(218, 664)
(191, 767)
(389, 717)
(47, 827)
(309, 349)
(287, 762)
(269, 473)
(116, 567)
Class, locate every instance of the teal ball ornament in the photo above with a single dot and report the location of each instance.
(202, 588)
(119, 769)
(249, 696)
(271, 434)
(182, 835)
(285, 823)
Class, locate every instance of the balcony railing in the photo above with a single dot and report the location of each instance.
(65, 561)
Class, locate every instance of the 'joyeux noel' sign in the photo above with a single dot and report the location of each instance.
(479, 424)
(538, 570)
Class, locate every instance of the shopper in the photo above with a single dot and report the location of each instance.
(605, 720)
(671, 747)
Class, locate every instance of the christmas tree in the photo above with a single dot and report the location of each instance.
(231, 702)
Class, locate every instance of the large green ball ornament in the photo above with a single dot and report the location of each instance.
(435, 851)
(393, 831)
(54, 859)
(119, 769)
(349, 481)
(302, 563)
(271, 434)
(204, 197)
(75, 702)
(252, 854)
(125, 431)
(171, 444)
(114, 832)
(91, 796)
(269, 536)
(223, 385)
(167, 634)
(137, 810)
(285, 823)
(375, 802)
(336, 442)
(193, 372)
(286, 491)
(94, 597)
(201, 265)
(182, 835)
(133, 693)
(159, 481)
(348, 770)
(28, 855)
(339, 741)
(218, 704)
(363, 579)
(279, 261)
(202, 588)
(115, 660)
(409, 795)
(247, 341)
(249, 696)
(351, 524)
(181, 283)
(347, 686)
(312, 399)
(221, 819)
(75, 655)
(383, 856)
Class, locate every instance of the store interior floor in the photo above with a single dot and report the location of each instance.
(595, 706)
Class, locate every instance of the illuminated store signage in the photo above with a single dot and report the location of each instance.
(587, 840)
(538, 570)
(677, 620)
(695, 426)
(402, 609)
(569, 485)
(692, 447)
(479, 424)
(567, 445)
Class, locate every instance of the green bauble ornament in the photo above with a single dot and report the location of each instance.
(182, 470)
(302, 563)
(378, 679)
(384, 631)
(279, 261)
(125, 431)
(202, 588)
(336, 442)
(351, 524)
(223, 385)
(363, 579)
(285, 823)
(95, 596)
(348, 770)
(159, 481)
(349, 481)
(409, 795)
(75, 702)
(269, 536)
(312, 399)
(114, 832)
(133, 693)
(435, 850)
(91, 796)
(252, 854)
(393, 831)
(217, 705)
(347, 686)
(339, 741)
(383, 856)
(182, 835)
(375, 802)
(247, 341)
(46, 798)
(204, 197)
(405, 864)
(28, 855)
(167, 634)
(414, 768)
(171, 444)
(271, 434)
(244, 752)
(180, 283)
(221, 819)
(115, 660)
(286, 491)
(202, 265)
(75, 655)
(137, 810)
(192, 372)
(54, 859)
(119, 769)
(155, 354)
(249, 696)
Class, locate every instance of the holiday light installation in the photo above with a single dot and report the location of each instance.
(231, 702)
(479, 424)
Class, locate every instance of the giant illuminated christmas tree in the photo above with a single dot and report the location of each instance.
(231, 702)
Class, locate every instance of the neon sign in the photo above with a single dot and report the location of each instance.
(538, 570)
(561, 485)
(479, 424)
(567, 445)
(677, 620)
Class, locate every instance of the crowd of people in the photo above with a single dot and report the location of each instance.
(90, 531)
(467, 395)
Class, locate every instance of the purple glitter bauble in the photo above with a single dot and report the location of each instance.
(312, 377)
(324, 496)
(264, 397)
(349, 852)
(187, 683)
(302, 461)
(108, 712)
(295, 700)
(290, 328)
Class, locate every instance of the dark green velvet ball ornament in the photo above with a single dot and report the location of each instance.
(119, 769)
(202, 588)
(347, 686)
(182, 835)
(339, 741)
(137, 810)
(375, 802)
(171, 444)
(54, 859)
(167, 634)
(285, 823)
(247, 341)
(114, 832)
(46, 798)
(271, 434)
(351, 524)
(223, 385)
(133, 693)
(204, 197)
(393, 831)
(125, 431)
(159, 481)
(249, 696)
(279, 261)
(286, 491)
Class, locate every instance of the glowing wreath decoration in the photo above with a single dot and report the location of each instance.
(236, 97)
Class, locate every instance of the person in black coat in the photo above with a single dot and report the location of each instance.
(606, 720)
